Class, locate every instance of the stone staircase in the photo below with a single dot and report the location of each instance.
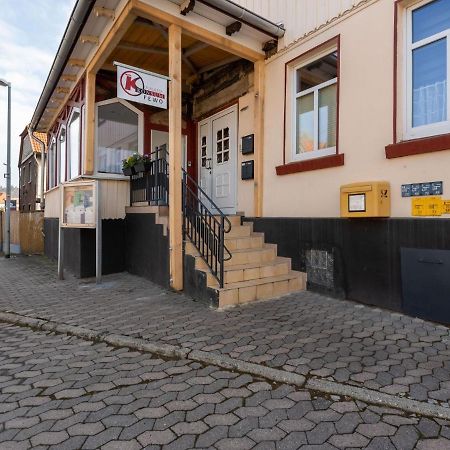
(255, 271)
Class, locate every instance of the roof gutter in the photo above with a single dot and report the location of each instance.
(246, 16)
(73, 30)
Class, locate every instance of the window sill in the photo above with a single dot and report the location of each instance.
(325, 162)
(418, 146)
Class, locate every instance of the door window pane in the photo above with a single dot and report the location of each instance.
(327, 117)
(305, 124)
(429, 76)
(117, 136)
(430, 19)
(74, 145)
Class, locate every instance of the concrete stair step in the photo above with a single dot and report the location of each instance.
(246, 272)
(261, 289)
(255, 240)
(235, 220)
(264, 254)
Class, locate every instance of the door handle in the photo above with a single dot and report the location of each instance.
(430, 261)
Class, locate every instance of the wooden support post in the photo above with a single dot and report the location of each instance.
(259, 137)
(89, 140)
(175, 160)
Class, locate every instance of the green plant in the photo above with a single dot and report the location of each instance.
(131, 161)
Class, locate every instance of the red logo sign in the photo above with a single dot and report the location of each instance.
(132, 83)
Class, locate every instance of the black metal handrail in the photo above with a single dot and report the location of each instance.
(152, 184)
(205, 229)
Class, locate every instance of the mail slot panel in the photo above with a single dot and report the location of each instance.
(367, 199)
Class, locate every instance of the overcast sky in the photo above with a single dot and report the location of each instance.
(30, 33)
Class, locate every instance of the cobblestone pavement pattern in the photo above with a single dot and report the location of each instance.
(65, 393)
(304, 333)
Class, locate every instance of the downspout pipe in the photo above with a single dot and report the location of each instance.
(246, 16)
(79, 15)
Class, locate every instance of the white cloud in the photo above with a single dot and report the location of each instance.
(30, 33)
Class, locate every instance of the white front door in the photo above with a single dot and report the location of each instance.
(218, 158)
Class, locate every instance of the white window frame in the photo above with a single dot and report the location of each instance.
(140, 115)
(316, 153)
(51, 163)
(430, 129)
(58, 156)
(69, 145)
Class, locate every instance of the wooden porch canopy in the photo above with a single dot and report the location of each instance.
(162, 37)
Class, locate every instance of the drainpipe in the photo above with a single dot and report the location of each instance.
(246, 16)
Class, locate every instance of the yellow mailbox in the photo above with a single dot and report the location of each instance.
(368, 199)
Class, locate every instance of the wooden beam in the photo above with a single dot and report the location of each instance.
(76, 62)
(175, 159)
(194, 48)
(71, 78)
(99, 11)
(259, 84)
(202, 34)
(89, 134)
(143, 48)
(62, 90)
(87, 39)
(165, 35)
(218, 64)
(120, 26)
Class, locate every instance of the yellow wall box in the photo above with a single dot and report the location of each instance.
(427, 206)
(366, 199)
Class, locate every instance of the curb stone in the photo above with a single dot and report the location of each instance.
(226, 362)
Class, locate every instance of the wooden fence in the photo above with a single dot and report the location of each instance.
(26, 232)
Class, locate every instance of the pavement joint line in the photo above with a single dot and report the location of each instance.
(226, 362)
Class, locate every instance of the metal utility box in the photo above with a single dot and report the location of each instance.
(366, 199)
(247, 170)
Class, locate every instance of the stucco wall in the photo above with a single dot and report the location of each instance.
(366, 124)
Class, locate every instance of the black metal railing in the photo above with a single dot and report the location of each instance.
(205, 225)
(152, 184)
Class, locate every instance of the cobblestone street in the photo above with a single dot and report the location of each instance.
(73, 393)
(62, 392)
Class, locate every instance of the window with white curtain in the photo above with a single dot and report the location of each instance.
(51, 164)
(118, 136)
(73, 151)
(62, 147)
(315, 108)
(428, 67)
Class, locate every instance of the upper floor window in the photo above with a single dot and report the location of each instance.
(315, 106)
(30, 172)
(73, 150)
(119, 134)
(428, 69)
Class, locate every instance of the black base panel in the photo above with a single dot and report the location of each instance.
(426, 283)
(195, 284)
(366, 252)
(79, 247)
(147, 249)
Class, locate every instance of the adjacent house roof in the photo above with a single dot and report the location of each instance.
(31, 143)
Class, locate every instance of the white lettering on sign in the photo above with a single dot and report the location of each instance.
(140, 86)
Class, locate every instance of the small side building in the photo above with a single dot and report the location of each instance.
(32, 146)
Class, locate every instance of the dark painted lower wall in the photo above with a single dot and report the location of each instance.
(147, 249)
(358, 259)
(79, 247)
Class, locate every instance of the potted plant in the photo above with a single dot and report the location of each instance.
(144, 164)
(128, 164)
